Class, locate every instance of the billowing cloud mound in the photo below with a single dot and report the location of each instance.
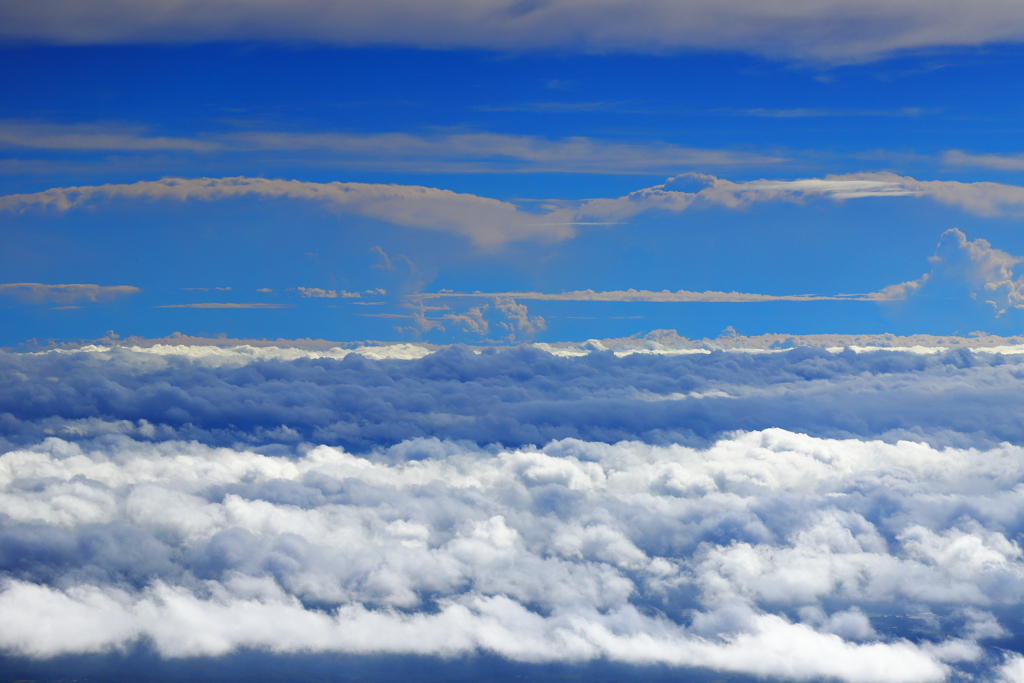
(357, 502)
(515, 396)
(762, 555)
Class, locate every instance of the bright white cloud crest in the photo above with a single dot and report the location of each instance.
(534, 555)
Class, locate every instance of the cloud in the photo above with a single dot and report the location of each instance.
(998, 162)
(575, 552)
(646, 295)
(487, 222)
(491, 223)
(987, 273)
(36, 293)
(317, 293)
(657, 390)
(224, 305)
(88, 137)
(829, 31)
(443, 152)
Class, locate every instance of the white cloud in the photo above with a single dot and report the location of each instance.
(36, 293)
(987, 273)
(829, 30)
(565, 554)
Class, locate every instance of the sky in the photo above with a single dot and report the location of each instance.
(512, 340)
(348, 183)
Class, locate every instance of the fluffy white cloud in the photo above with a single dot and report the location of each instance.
(829, 30)
(635, 553)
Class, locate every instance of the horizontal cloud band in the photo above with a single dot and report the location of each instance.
(638, 554)
(829, 30)
(490, 222)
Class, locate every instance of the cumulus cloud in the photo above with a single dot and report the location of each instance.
(379, 396)
(830, 31)
(985, 272)
(580, 550)
(36, 293)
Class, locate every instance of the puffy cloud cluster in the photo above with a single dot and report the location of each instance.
(201, 501)
(380, 396)
(764, 554)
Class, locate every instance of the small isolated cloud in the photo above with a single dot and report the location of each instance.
(988, 274)
(265, 290)
(36, 293)
(317, 293)
(225, 305)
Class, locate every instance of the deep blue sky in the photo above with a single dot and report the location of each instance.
(510, 126)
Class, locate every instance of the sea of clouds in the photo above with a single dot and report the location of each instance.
(797, 515)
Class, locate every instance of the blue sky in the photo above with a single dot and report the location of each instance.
(541, 124)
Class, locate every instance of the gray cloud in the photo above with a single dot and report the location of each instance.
(36, 293)
(441, 152)
(492, 223)
(832, 31)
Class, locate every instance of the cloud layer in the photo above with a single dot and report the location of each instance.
(830, 31)
(514, 396)
(492, 223)
(197, 501)
(638, 554)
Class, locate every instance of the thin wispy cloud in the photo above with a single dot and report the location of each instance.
(225, 305)
(492, 223)
(998, 162)
(37, 293)
(830, 31)
(438, 152)
(650, 296)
